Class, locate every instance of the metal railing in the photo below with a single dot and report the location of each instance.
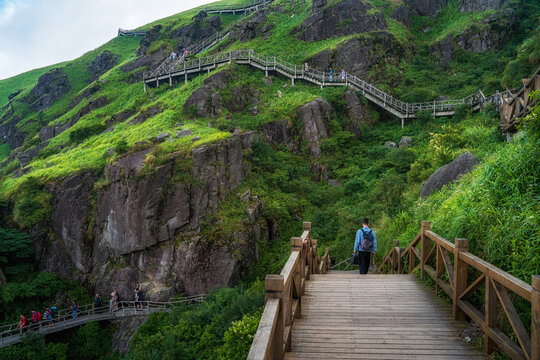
(64, 319)
(272, 63)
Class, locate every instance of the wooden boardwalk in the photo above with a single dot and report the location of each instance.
(349, 316)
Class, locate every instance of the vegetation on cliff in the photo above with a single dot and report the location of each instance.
(101, 119)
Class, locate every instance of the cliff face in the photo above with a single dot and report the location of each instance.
(138, 228)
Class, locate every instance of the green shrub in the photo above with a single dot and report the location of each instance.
(32, 203)
(424, 116)
(238, 339)
(82, 133)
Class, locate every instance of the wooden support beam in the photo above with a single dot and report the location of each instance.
(424, 247)
(459, 277)
(273, 285)
(490, 316)
(535, 316)
(513, 317)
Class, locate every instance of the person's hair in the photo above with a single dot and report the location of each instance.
(365, 221)
(137, 289)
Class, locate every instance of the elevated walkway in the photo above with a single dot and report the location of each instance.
(350, 316)
(11, 334)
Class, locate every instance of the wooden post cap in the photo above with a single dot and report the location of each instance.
(296, 243)
(426, 225)
(306, 226)
(396, 243)
(273, 283)
(535, 282)
(462, 243)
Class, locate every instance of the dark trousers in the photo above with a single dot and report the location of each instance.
(364, 259)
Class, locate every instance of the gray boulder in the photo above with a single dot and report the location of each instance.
(345, 18)
(390, 144)
(280, 132)
(404, 142)
(315, 116)
(448, 173)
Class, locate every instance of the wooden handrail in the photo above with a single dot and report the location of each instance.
(452, 277)
(284, 297)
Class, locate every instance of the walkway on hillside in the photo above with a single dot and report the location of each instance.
(182, 70)
(349, 316)
(10, 334)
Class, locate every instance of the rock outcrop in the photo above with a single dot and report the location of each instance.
(345, 18)
(50, 87)
(315, 117)
(489, 34)
(426, 7)
(151, 35)
(481, 5)
(250, 29)
(402, 14)
(280, 132)
(102, 63)
(207, 100)
(145, 228)
(201, 28)
(448, 173)
(360, 54)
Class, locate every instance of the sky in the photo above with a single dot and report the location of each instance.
(37, 33)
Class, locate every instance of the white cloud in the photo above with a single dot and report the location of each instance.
(37, 33)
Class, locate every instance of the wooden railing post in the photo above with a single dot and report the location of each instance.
(535, 318)
(396, 262)
(315, 258)
(460, 278)
(273, 285)
(296, 245)
(490, 320)
(424, 247)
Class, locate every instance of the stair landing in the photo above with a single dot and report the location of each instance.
(350, 316)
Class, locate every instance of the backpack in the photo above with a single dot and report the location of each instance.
(54, 311)
(367, 240)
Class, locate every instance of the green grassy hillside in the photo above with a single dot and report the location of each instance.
(496, 206)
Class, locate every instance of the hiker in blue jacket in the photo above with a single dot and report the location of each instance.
(365, 246)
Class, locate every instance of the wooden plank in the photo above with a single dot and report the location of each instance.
(290, 265)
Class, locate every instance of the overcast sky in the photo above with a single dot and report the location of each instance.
(37, 33)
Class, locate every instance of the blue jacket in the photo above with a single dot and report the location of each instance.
(358, 240)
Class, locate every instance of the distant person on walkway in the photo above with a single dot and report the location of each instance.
(47, 316)
(186, 54)
(98, 302)
(74, 309)
(306, 67)
(113, 303)
(331, 74)
(36, 316)
(173, 55)
(365, 246)
(343, 74)
(139, 297)
(22, 323)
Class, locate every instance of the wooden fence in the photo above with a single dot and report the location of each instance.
(520, 104)
(451, 274)
(284, 297)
